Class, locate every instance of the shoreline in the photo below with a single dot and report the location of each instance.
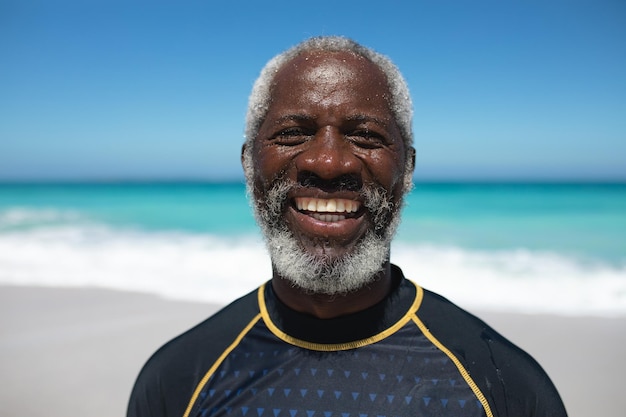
(77, 351)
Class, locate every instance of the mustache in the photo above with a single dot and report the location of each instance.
(376, 199)
(344, 182)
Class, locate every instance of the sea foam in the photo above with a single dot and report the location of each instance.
(212, 268)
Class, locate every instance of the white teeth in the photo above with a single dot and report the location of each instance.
(331, 205)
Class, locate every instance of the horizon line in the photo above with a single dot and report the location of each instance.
(195, 180)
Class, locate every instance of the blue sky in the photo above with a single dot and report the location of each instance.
(113, 90)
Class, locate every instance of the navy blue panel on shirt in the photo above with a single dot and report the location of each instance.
(413, 354)
(402, 375)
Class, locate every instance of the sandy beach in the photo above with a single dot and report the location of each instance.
(76, 352)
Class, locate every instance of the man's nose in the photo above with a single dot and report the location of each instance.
(329, 156)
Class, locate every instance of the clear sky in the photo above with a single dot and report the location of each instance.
(504, 89)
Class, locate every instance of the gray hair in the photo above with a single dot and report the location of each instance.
(259, 101)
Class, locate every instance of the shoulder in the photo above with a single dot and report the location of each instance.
(179, 365)
(508, 376)
(464, 332)
(209, 338)
(470, 337)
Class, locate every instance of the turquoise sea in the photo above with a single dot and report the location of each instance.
(558, 248)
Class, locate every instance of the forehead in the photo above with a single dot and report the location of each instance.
(326, 72)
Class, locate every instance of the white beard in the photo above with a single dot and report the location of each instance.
(322, 274)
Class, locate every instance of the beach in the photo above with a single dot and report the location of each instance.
(77, 351)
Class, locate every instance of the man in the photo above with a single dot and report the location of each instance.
(338, 331)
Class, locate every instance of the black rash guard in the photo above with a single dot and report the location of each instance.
(413, 354)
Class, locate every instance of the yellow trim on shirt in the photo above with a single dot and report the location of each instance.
(329, 347)
(217, 363)
(466, 376)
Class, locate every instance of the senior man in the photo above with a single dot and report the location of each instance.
(338, 331)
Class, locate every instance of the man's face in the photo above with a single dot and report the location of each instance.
(329, 169)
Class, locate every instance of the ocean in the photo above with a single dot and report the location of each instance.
(510, 247)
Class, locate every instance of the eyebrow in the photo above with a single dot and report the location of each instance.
(294, 118)
(364, 118)
(354, 118)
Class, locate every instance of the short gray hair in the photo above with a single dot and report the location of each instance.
(259, 101)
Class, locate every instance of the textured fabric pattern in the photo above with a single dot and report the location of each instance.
(413, 354)
(403, 375)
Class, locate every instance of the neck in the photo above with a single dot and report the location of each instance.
(325, 306)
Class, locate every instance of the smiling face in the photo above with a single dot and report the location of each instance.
(329, 171)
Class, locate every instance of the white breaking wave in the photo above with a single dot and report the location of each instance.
(173, 265)
(517, 280)
(202, 267)
(25, 217)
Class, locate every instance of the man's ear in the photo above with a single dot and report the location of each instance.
(411, 154)
(243, 152)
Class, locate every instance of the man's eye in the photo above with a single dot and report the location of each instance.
(366, 139)
(292, 136)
